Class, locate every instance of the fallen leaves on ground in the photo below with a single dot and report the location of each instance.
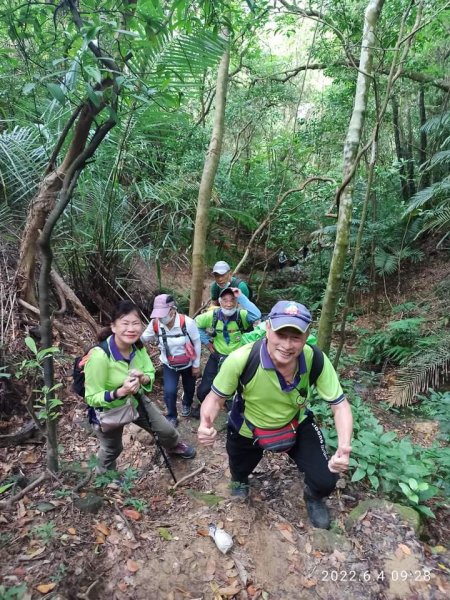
(132, 566)
(132, 514)
(103, 529)
(286, 531)
(45, 588)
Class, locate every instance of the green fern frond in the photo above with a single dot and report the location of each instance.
(385, 264)
(413, 323)
(22, 157)
(437, 124)
(435, 191)
(237, 215)
(437, 220)
(425, 371)
(440, 158)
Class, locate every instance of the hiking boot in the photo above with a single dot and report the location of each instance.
(195, 412)
(183, 450)
(173, 421)
(317, 511)
(239, 490)
(185, 410)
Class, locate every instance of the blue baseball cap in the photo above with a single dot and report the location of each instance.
(287, 313)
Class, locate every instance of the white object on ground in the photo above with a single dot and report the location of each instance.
(223, 540)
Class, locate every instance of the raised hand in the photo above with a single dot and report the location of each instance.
(338, 463)
(206, 433)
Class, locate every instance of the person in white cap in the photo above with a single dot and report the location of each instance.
(270, 410)
(223, 278)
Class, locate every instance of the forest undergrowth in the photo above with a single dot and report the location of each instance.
(146, 540)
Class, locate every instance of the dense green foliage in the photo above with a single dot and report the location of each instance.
(284, 122)
(396, 467)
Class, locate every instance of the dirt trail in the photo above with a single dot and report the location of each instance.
(167, 555)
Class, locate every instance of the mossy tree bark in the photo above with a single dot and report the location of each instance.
(206, 186)
(351, 146)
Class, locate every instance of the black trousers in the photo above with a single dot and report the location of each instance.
(210, 371)
(308, 453)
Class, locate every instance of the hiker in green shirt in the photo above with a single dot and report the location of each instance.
(223, 278)
(270, 412)
(221, 331)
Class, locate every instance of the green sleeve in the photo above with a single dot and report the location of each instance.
(226, 381)
(96, 376)
(214, 291)
(244, 288)
(327, 385)
(204, 320)
(147, 368)
(256, 334)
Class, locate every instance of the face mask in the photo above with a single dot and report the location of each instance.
(229, 312)
(165, 320)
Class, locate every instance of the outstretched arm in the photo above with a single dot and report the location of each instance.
(343, 421)
(210, 408)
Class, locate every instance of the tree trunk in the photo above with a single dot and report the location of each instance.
(70, 295)
(410, 157)
(351, 146)
(45, 201)
(399, 148)
(206, 186)
(425, 178)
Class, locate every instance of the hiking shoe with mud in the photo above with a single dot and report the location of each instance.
(239, 490)
(317, 511)
(183, 450)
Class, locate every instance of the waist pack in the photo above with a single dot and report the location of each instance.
(113, 418)
(275, 440)
(182, 360)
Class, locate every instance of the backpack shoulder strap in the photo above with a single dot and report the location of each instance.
(105, 347)
(156, 327)
(252, 364)
(215, 319)
(240, 322)
(316, 365)
(184, 328)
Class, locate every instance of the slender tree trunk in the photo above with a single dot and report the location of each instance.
(206, 186)
(351, 146)
(425, 178)
(410, 157)
(357, 252)
(399, 148)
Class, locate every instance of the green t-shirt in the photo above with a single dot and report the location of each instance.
(104, 374)
(266, 404)
(205, 320)
(235, 282)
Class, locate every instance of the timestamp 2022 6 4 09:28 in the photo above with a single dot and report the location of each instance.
(336, 575)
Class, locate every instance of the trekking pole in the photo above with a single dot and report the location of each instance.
(156, 438)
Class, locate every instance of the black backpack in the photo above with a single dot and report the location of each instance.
(235, 281)
(78, 368)
(236, 415)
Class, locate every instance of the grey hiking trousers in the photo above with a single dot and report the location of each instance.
(111, 442)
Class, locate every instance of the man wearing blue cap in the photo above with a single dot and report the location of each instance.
(270, 413)
(223, 278)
